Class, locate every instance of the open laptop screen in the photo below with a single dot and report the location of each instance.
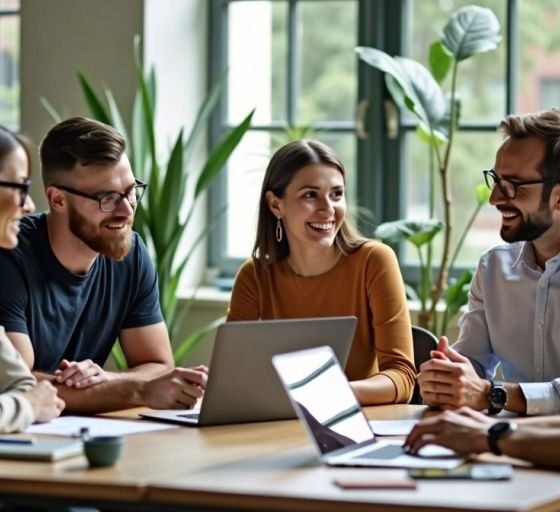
(323, 399)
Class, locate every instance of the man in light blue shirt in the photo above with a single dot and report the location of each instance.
(513, 315)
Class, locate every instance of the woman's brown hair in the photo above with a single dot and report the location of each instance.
(283, 166)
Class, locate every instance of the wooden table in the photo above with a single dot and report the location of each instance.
(264, 466)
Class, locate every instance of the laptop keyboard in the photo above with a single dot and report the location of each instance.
(390, 451)
(191, 415)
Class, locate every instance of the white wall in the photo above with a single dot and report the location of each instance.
(176, 45)
(59, 37)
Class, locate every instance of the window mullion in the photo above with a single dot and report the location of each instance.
(293, 55)
(512, 54)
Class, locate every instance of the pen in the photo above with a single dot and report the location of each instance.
(15, 440)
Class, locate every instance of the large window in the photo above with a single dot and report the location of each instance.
(9, 63)
(293, 61)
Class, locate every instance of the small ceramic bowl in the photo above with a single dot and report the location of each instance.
(103, 450)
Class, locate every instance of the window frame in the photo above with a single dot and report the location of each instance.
(7, 13)
(381, 24)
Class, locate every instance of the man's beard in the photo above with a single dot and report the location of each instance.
(529, 229)
(115, 247)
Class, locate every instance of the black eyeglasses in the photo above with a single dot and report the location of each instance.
(22, 187)
(110, 201)
(509, 187)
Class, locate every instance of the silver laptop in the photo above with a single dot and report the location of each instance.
(334, 420)
(242, 384)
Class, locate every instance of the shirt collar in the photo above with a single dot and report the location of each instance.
(526, 255)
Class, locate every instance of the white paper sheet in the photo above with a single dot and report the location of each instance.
(392, 427)
(71, 425)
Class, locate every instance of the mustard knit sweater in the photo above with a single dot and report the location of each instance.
(367, 284)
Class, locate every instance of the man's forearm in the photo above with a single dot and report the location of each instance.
(146, 370)
(121, 393)
(535, 444)
(515, 398)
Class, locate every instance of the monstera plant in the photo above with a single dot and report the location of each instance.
(469, 31)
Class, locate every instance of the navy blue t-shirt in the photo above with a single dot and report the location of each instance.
(72, 316)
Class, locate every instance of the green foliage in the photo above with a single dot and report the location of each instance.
(469, 31)
(418, 233)
(159, 219)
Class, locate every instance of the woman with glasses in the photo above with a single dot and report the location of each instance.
(22, 399)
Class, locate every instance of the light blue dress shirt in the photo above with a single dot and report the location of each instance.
(513, 318)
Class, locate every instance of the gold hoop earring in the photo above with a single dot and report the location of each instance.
(279, 233)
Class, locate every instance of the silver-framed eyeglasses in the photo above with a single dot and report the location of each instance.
(110, 201)
(22, 187)
(508, 187)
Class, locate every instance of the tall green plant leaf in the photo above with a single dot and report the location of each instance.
(116, 117)
(471, 30)
(221, 153)
(194, 339)
(50, 110)
(203, 115)
(92, 99)
(172, 190)
(147, 104)
(139, 139)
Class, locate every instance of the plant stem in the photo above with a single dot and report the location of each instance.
(447, 201)
(458, 247)
(463, 236)
(424, 291)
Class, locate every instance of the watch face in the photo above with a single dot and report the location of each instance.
(498, 397)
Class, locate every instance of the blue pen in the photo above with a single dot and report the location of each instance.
(16, 440)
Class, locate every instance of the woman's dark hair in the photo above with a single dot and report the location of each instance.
(283, 166)
(10, 141)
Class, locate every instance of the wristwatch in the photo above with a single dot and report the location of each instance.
(498, 431)
(497, 397)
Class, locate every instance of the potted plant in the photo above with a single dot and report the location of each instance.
(469, 31)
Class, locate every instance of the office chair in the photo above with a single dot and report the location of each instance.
(423, 342)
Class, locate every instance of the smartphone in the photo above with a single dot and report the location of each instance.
(467, 472)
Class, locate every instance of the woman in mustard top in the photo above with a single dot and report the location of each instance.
(308, 261)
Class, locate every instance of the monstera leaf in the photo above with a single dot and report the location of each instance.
(471, 30)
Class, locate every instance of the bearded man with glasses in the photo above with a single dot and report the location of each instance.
(513, 315)
(81, 279)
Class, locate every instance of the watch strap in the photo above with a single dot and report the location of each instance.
(498, 431)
